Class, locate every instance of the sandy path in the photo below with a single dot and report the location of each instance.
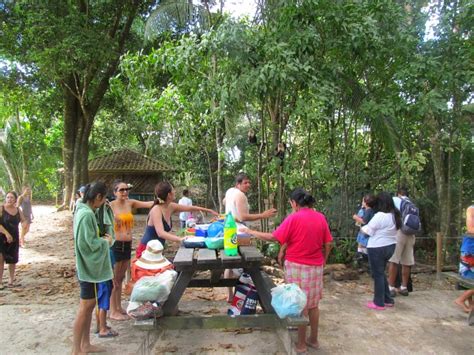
(37, 317)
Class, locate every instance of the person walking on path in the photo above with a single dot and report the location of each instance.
(92, 263)
(159, 224)
(236, 202)
(382, 229)
(10, 218)
(309, 242)
(24, 202)
(122, 207)
(184, 201)
(403, 254)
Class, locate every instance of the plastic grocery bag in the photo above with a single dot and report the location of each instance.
(154, 288)
(288, 300)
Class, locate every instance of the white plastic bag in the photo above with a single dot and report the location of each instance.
(288, 300)
(154, 288)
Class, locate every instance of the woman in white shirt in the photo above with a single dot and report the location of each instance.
(382, 229)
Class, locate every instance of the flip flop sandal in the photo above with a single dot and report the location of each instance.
(15, 284)
(107, 327)
(110, 334)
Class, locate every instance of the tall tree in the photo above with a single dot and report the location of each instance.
(76, 47)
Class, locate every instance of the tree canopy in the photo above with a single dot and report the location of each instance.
(340, 97)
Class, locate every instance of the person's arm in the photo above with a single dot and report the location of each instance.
(19, 201)
(241, 205)
(327, 250)
(7, 234)
(182, 208)
(358, 219)
(141, 204)
(156, 218)
(281, 254)
(260, 235)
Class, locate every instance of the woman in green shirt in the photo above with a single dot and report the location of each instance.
(92, 262)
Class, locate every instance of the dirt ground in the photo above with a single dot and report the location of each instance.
(37, 317)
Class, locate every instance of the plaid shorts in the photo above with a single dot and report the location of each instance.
(309, 278)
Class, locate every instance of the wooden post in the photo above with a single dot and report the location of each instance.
(439, 255)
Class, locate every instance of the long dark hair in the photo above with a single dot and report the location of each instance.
(162, 189)
(370, 200)
(302, 198)
(385, 204)
(94, 189)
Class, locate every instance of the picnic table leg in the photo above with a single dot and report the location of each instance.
(263, 289)
(177, 292)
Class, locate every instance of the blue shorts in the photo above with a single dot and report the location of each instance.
(362, 239)
(104, 290)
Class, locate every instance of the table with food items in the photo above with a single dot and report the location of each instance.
(215, 247)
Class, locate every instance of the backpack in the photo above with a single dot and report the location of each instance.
(410, 217)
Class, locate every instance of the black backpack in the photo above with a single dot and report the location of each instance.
(410, 217)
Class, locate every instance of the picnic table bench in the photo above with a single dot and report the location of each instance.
(461, 283)
(188, 261)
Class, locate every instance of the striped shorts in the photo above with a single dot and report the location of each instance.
(309, 278)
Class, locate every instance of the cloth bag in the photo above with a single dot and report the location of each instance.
(288, 300)
(245, 297)
(154, 288)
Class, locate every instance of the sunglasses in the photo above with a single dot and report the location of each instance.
(124, 189)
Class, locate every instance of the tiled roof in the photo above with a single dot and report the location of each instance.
(126, 160)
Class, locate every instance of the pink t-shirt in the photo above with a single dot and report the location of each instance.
(305, 232)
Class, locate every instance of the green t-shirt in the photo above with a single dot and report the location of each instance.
(92, 252)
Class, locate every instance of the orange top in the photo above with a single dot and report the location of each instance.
(124, 222)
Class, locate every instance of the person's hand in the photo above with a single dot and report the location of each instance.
(269, 213)
(9, 238)
(213, 212)
(354, 217)
(108, 238)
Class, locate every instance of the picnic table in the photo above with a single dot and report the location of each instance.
(188, 261)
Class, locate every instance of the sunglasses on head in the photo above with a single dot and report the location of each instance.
(123, 189)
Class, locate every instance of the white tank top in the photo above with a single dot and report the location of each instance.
(231, 205)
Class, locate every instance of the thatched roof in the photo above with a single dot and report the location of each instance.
(126, 161)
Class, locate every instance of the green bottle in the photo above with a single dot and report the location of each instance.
(230, 236)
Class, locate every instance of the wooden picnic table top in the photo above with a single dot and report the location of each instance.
(208, 259)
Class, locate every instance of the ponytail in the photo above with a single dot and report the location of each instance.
(94, 189)
(302, 198)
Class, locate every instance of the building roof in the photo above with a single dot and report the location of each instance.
(126, 160)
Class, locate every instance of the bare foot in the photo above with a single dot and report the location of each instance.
(123, 311)
(300, 349)
(312, 344)
(462, 305)
(118, 316)
(93, 349)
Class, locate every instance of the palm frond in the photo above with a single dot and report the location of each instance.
(178, 16)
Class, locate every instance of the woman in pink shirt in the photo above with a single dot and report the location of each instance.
(308, 241)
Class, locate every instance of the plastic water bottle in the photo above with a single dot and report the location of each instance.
(230, 236)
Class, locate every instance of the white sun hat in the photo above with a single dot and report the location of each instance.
(152, 257)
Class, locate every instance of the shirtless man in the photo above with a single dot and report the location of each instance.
(236, 202)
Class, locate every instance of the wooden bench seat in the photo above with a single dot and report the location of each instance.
(461, 283)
